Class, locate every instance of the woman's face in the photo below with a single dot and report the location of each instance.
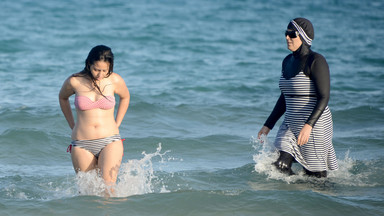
(293, 43)
(99, 70)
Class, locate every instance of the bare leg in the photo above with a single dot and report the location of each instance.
(83, 160)
(109, 163)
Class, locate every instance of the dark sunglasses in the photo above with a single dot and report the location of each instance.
(291, 33)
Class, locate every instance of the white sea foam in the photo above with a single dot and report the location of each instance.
(266, 155)
(135, 177)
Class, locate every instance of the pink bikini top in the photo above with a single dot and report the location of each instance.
(84, 103)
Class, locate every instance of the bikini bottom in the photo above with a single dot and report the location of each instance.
(94, 146)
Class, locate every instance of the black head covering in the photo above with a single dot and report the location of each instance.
(307, 33)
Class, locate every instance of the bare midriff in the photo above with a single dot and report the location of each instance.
(94, 124)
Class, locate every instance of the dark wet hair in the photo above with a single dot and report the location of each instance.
(97, 53)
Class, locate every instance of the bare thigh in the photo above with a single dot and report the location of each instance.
(83, 160)
(109, 161)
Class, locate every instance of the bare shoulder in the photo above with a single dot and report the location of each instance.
(68, 87)
(69, 81)
(117, 79)
(78, 79)
(120, 86)
(73, 82)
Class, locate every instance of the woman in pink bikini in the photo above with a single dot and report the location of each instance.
(96, 142)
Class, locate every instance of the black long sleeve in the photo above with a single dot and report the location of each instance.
(319, 73)
(276, 113)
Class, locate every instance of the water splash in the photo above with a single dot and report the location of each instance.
(13, 192)
(356, 173)
(265, 157)
(135, 177)
(350, 172)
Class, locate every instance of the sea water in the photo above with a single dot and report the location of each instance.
(203, 78)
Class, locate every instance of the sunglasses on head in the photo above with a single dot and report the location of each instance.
(292, 33)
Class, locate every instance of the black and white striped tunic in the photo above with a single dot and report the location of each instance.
(300, 98)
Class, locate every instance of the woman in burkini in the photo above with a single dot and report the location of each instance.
(306, 133)
(96, 142)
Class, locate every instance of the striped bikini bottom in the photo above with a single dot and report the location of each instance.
(94, 146)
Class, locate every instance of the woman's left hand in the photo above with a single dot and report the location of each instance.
(304, 135)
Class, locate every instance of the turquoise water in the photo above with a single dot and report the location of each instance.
(203, 77)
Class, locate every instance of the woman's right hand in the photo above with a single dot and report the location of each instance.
(264, 130)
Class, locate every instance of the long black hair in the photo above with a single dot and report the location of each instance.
(97, 53)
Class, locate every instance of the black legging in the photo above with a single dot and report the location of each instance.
(284, 164)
